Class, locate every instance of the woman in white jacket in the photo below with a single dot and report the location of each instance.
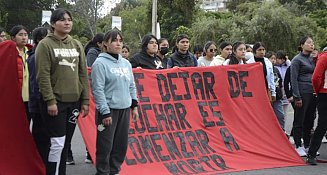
(259, 51)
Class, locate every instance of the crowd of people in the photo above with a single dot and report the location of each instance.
(53, 79)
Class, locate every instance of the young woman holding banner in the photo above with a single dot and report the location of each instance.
(114, 93)
(238, 54)
(259, 51)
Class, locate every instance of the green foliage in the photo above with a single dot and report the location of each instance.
(279, 24)
(307, 6)
(3, 14)
(175, 13)
(135, 25)
(268, 22)
(320, 17)
(25, 12)
(182, 30)
(82, 39)
(211, 29)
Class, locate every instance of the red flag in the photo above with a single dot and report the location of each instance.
(17, 148)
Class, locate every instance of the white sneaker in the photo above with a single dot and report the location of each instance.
(324, 140)
(307, 150)
(291, 139)
(301, 151)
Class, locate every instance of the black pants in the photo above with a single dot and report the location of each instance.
(28, 114)
(41, 136)
(61, 129)
(304, 119)
(112, 142)
(321, 127)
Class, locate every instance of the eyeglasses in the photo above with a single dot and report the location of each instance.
(213, 50)
(2, 36)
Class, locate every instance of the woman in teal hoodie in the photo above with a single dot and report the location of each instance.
(114, 94)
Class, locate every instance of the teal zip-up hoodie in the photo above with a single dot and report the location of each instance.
(112, 83)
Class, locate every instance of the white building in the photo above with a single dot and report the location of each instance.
(213, 5)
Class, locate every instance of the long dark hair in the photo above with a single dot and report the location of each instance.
(302, 41)
(38, 34)
(145, 41)
(224, 44)
(206, 47)
(232, 57)
(57, 15)
(256, 46)
(112, 35)
(98, 38)
(13, 32)
(281, 55)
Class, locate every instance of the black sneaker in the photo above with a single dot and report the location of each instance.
(311, 160)
(70, 161)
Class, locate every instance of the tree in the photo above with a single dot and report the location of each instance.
(89, 11)
(175, 13)
(136, 24)
(277, 27)
(211, 29)
(307, 5)
(3, 14)
(125, 4)
(25, 12)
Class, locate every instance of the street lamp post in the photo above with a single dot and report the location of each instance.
(154, 17)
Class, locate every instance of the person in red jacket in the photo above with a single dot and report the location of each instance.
(319, 83)
(19, 34)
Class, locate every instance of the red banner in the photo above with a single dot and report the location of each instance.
(202, 121)
(17, 149)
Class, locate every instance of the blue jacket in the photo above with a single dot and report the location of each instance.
(113, 84)
(34, 92)
(91, 55)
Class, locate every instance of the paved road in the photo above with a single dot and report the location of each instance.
(81, 168)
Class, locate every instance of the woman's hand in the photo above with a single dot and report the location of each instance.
(135, 114)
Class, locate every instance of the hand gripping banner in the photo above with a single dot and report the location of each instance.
(205, 120)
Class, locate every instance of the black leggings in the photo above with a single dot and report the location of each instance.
(303, 120)
(322, 125)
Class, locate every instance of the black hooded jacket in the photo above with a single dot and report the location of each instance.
(182, 60)
(145, 61)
